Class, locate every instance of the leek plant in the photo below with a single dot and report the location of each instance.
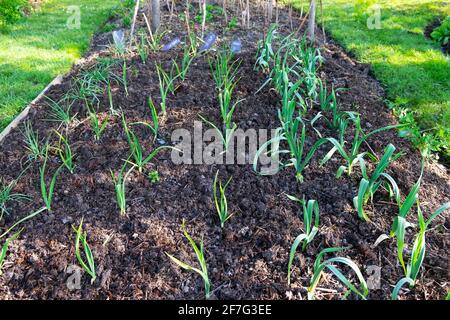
(47, 191)
(310, 215)
(124, 76)
(295, 138)
(199, 252)
(119, 186)
(192, 43)
(223, 70)
(111, 102)
(137, 153)
(225, 137)
(33, 143)
(329, 264)
(400, 223)
(353, 156)
(418, 250)
(5, 248)
(142, 46)
(182, 70)
(166, 85)
(97, 126)
(265, 52)
(81, 240)
(311, 58)
(224, 73)
(221, 199)
(368, 186)
(65, 152)
(155, 117)
(154, 41)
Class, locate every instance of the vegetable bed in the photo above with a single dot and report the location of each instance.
(248, 257)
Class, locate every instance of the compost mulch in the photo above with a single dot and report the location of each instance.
(248, 258)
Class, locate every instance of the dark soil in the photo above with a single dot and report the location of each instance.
(430, 28)
(248, 259)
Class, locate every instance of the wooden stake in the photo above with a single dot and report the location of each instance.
(136, 8)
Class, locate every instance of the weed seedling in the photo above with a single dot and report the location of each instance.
(153, 176)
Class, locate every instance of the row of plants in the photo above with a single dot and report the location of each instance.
(292, 72)
(88, 88)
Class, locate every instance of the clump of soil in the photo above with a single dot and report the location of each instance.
(248, 258)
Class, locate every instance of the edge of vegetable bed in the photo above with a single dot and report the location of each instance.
(57, 80)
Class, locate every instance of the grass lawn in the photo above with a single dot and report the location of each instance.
(36, 49)
(413, 69)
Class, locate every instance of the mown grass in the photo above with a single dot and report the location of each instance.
(413, 69)
(41, 46)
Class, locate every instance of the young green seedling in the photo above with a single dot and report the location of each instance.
(400, 223)
(296, 142)
(65, 152)
(153, 176)
(199, 252)
(185, 64)
(5, 248)
(124, 76)
(97, 126)
(166, 85)
(221, 199)
(26, 218)
(264, 54)
(354, 155)
(7, 195)
(119, 186)
(81, 238)
(155, 117)
(225, 136)
(59, 113)
(142, 46)
(137, 152)
(418, 250)
(310, 214)
(33, 143)
(47, 192)
(368, 186)
(329, 264)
